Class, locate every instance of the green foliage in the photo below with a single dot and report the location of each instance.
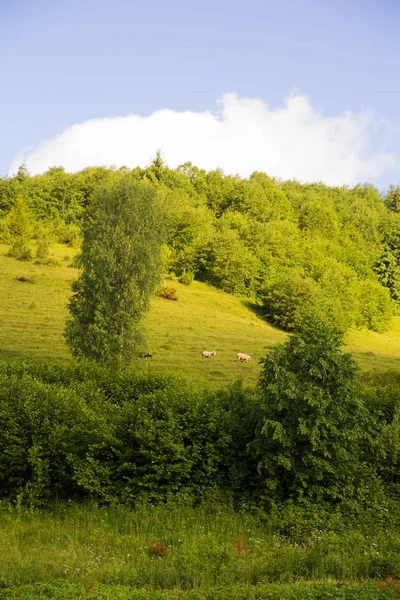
(376, 308)
(121, 266)
(308, 431)
(43, 247)
(319, 218)
(167, 293)
(226, 263)
(312, 423)
(388, 271)
(19, 221)
(171, 441)
(115, 436)
(186, 277)
(241, 234)
(382, 395)
(19, 228)
(288, 298)
(5, 237)
(306, 444)
(66, 233)
(51, 440)
(64, 590)
(392, 199)
(20, 250)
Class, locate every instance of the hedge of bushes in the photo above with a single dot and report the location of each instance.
(78, 433)
(310, 429)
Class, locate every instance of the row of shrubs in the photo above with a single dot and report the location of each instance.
(84, 432)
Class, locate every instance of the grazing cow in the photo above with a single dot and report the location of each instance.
(206, 354)
(242, 357)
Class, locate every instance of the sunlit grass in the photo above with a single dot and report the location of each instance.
(32, 318)
(375, 351)
(33, 312)
(176, 546)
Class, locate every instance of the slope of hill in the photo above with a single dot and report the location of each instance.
(33, 312)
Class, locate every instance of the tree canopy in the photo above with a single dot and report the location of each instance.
(294, 248)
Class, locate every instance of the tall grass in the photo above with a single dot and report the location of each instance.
(178, 547)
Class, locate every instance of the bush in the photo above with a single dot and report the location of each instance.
(83, 431)
(42, 250)
(20, 250)
(49, 262)
(52, 442)
(66, 233)
(167, 292)
(176, 440)
(113, 435)
(312, 422)
(288, 298)
(186, 277)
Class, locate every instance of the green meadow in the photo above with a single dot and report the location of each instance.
(174, 549)
(33, 313)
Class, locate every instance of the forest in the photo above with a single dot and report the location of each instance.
(121, 484)
(294, 247)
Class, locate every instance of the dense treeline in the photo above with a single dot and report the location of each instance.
(298, 248)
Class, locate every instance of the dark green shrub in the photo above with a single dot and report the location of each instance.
(85, 430)
(52, 442)
(172, 440)
(312, 421)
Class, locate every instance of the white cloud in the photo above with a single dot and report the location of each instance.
(245, 135)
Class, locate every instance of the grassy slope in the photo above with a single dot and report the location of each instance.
(32, 317)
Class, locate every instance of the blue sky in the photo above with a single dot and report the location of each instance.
(69, 62)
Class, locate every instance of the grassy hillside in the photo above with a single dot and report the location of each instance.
(33, 312)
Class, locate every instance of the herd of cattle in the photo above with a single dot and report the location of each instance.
(240, 357)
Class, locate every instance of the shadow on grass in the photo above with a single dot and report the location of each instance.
(255, 308)
(259, 311)
(6, 354)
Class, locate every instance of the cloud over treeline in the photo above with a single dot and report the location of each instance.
(243, 135)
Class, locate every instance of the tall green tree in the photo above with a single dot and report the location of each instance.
(121, 267)
(312, 423)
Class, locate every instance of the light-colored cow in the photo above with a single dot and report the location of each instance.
(206, 354)
(242, 357)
